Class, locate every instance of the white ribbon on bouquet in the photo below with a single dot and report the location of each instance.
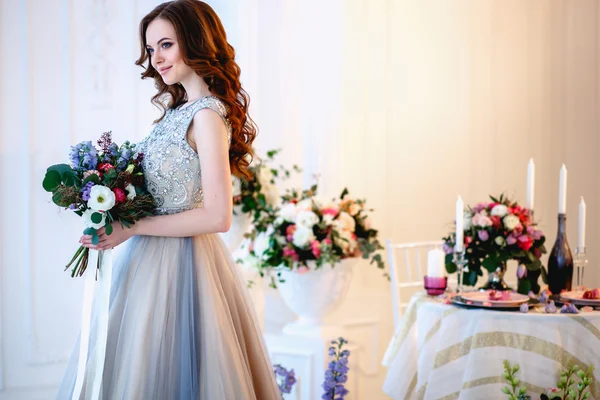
(96, 299)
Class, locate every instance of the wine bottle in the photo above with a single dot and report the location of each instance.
(560, 262)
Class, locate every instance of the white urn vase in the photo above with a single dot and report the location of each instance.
(240, 224)
(315, 294)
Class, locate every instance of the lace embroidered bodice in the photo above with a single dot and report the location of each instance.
(171, 166)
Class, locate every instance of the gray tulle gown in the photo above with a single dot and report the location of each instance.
(181, 323)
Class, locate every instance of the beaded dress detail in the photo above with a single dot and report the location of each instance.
(181, 323)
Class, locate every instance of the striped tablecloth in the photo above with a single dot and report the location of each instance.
(441, 351)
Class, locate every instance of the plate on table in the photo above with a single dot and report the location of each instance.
(576, 297)
(480, 297)
(490, 306)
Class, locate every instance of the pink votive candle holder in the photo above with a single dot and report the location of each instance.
(435, 285)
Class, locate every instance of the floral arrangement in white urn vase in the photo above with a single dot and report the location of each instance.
(307, 247)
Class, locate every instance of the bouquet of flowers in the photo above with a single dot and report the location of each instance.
(308, 228)
(495, 232)
(259, 195)
(102, 185)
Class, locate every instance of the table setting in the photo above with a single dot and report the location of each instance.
(540, 339)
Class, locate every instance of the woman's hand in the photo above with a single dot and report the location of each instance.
(108, 242)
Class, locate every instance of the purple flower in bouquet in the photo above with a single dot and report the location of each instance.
(288, 381)
(483, 235)
(85, 191)
(83, 156)
(337, 373)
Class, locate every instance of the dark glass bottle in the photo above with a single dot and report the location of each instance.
(560, 262)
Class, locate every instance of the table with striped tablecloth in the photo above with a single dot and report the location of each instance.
(442, 351)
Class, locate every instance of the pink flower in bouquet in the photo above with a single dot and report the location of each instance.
(327, 241)
(119, 195)
(105, 167)
(496, 222)
(483, 235)
(510, 240)
(91, 172)
(480, 206)
(537, 252)
(288, 252)
(482, 220)
(468, 240)
(330, 210)
(525, 242)
(315, 246)
(518, 230)
(289, 232)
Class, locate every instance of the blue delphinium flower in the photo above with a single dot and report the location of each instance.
(124, 157)
(83, 156)
(337, 372)
(85, 191)
(288, 381)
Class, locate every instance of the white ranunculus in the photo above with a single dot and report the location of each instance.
(288, 212)
(302, 237)
(499, 211)
(130, 189)
(101, 198)
(511, 221)
(307, 219)
(87, 219)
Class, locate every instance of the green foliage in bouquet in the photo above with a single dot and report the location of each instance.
(495, 232)
(574, 384)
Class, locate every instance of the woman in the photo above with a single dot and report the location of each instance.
(181, 325)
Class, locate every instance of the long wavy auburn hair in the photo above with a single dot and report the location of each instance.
(204, 48)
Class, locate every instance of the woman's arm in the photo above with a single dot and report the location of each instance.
(209, 131)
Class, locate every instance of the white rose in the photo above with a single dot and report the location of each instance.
(288, 212)
(278, 221)
(499, 240)
(87, 219)
(511, 221)
(130, 192)
(346, 222)
(101, 198)
(306, 204)
(302, 237)
(328, 219)
(261, 242)
(272, 195)
(499, 211)
(307, 219)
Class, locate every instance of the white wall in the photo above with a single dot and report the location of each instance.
(408, 103)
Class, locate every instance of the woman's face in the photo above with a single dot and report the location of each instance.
(162, 46)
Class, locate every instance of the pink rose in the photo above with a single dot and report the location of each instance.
(287, 252)
(316, 248)
(330, 211)
(289, 232)
(326, 241)
(119, 195)
(525, 242)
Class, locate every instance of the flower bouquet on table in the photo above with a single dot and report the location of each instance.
(102, 185)
(308, 228)
(495, 232)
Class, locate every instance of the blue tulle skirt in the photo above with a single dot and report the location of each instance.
(181, 326)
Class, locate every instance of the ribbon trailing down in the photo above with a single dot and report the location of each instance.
(96, 302)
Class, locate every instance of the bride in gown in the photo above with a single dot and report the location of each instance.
(181, 324)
